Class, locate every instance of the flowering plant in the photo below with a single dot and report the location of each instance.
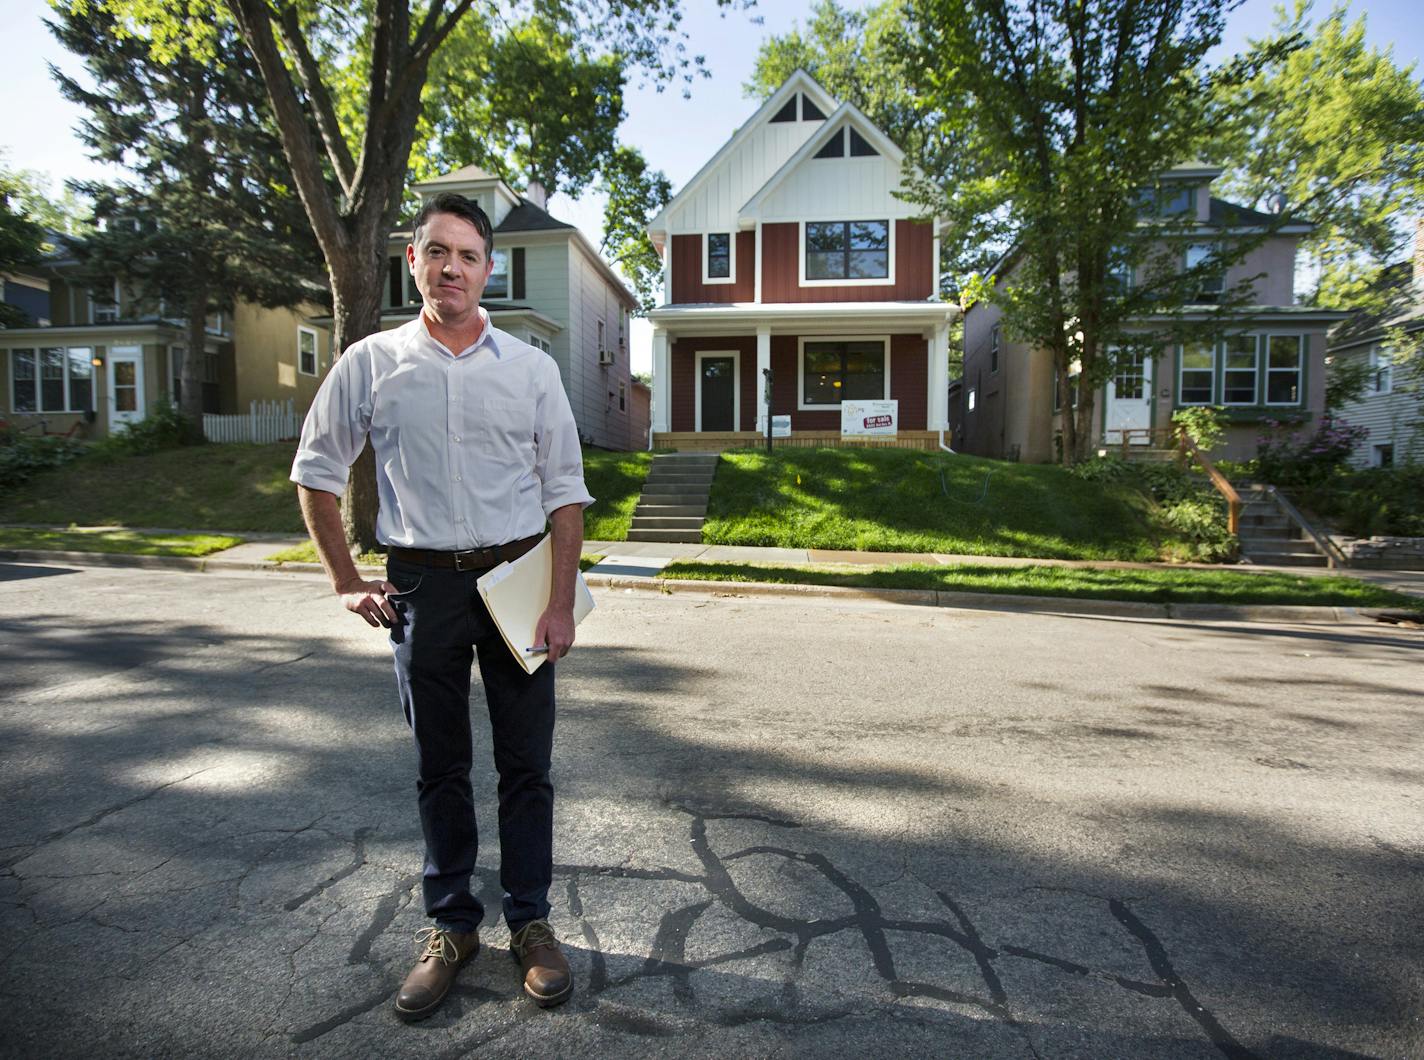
(1286, 457)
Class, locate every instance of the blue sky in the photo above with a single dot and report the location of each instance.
(676, 135)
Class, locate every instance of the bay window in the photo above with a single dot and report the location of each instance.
(1239, 370)
(1197, 374)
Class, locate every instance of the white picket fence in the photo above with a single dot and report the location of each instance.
(268, 421)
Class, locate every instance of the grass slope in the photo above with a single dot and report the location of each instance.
(245, 487)
(1147, 586)
(122, 541)
(897, 500)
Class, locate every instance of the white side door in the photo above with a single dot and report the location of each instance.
(1129, 402)
(127, 403)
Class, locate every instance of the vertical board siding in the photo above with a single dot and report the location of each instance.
(683, 357)
(687, 285)
(914, 268)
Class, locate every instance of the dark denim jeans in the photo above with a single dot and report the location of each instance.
(444, 625)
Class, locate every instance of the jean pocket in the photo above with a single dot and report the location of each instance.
(406, 584)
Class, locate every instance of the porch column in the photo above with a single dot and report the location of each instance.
(937, 405)
(662, 382)
(763, 363)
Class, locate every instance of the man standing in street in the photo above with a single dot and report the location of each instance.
(476, 448)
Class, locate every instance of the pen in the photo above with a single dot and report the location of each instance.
(543, 650)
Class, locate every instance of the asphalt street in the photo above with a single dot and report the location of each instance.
(791, 827)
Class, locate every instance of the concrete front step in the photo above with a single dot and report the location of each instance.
(690, 523)
(669, 509)
(670, 477)
(683, 536)
(673, 496)
(1276, 544)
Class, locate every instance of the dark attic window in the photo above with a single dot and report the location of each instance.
(859, 146)
(809, 111)
(786, 113)
(834, 147)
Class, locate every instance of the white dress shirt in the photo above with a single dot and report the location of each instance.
(472, 449)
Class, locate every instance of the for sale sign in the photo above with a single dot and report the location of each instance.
(869, 418)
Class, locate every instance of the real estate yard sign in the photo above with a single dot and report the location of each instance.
(869, 418)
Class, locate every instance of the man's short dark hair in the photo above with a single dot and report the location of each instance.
(461, 207)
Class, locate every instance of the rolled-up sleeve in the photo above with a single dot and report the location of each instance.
(336, 425)
(559, 459)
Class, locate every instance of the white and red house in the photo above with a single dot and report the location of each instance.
(790, 251)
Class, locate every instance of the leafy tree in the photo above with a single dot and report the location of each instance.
(635, 195)
(349, 163)
(1045, 133)
(205, 216)
(1332, 129)
(21, 235)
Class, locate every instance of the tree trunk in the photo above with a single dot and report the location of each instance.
(1067, 428)
(190, 378)
(356, 283)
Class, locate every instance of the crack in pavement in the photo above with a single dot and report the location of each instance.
(358, 859)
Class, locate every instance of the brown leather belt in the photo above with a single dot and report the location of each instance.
(473, 559)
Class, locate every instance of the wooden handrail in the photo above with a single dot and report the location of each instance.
(1220, 481)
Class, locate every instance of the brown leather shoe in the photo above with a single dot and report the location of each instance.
(547, 976)
(442, 953)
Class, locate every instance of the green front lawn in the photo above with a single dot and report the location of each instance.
(123, 541)
(615, 480)
(1146, 586)
(898, 500)
(306, 553)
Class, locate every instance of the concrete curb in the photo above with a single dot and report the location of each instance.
(1057, 605)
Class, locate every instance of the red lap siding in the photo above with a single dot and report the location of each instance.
(780, 258)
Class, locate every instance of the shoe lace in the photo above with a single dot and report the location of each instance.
(436, 943)
(536, 933)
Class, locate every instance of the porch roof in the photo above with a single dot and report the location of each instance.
(748, 317)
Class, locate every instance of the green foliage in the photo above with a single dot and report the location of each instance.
(1330, 129)
(635, 195)
(1363, 503)
(24, 455)
(1188, 513)
(163, 428)
(122, 541)
(1294, 459)
(21, 233)
(1204, 425)
(615, 480)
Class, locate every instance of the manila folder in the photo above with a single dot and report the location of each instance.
(517, 593)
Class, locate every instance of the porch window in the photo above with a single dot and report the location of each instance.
(847, 250)
(719, 255)
(1198, 373)
(1239, 370)
(1284, 363)
(833, 372)
(306, 351)
(54, 379)
(498, 285)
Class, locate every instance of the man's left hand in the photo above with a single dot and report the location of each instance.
(556, 629)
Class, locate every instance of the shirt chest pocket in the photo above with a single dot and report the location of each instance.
(504, 429)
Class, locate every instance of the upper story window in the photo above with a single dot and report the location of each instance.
(808, 110)
(498, 285)
(1198, 256)
(1381, 371)
(104, 305)
(994, 349)
(1119, 271)
(846, 142)
(717, 263)
(847, 250)
(306, 350)
(1166, 200)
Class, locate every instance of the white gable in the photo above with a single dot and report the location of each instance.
(808, 188)
(713, 198)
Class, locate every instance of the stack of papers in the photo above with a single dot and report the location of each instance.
(516, 595)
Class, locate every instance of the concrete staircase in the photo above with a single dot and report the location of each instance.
(674, 500)
(1268, 536)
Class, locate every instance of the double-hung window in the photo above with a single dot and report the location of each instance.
(306, 351)
(1197, 376)
(1209, 287)
(498, 285)
(1381, 371)
(994, 349)
(52, 379)
(849, 370)
(1239, 370)
(1285, 361)
(718, 263)
(847, 250)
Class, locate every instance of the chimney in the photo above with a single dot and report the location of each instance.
(537, 194)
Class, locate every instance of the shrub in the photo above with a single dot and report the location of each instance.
(1188, 510)
(21, 456)
(163, 428)
(1364, 503)
(1204, 425)
(1296, 459)
(1199, 530)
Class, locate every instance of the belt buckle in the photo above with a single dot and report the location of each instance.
(460, 558)
(473, 558)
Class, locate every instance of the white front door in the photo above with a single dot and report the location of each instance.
(1129, 402)
(126, 398)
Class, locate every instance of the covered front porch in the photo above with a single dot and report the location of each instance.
(720, 372)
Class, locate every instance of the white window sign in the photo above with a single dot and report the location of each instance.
(877, 418)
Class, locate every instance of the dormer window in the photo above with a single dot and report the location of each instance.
(846, 141)
(719, 262)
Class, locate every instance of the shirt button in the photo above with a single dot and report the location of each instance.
(459, 478)
(456, 437)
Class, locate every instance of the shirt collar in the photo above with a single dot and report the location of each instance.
(485, 338)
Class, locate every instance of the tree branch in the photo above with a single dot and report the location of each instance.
(322, 109)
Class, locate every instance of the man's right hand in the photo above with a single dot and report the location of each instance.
(368, 599)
